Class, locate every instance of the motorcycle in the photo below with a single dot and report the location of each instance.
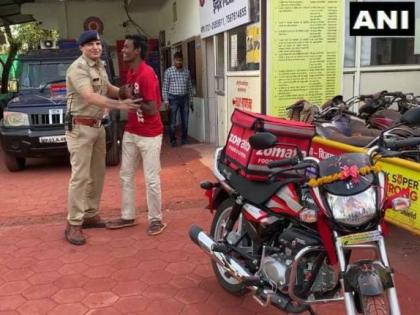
(336, 122)
(378, 110)
(290, 240)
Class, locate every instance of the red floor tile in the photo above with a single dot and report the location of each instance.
(169, 306)
(103, 311)
(101, 299)
(33, 307)
(99, 271)
(152, 265)
(39, 291)
(127, 274)
(74, 295)
(183, 282)
(72, 281)
(73, 257)
(180, 268)
(153, 278)
(69, 309)
(73, 268)
(11, 302)
(192, 295)
(47, 265)
(135, 304)
(160, 292)
(17, 274)
(127, 288)
(13, 287)
(44, 277)
(99, 285)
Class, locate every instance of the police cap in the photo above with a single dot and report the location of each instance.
(88, 36)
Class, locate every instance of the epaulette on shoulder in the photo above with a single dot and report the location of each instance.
(82, 64)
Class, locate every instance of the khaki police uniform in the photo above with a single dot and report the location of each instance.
(86, 141)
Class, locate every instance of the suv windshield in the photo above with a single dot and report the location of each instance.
(36, 74)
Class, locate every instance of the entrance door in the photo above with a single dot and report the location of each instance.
(220, 75)
(211, 108)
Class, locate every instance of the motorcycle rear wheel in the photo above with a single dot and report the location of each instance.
(217, 231)
(374, 305)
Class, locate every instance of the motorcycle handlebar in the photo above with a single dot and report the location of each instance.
(394, 94)
(291, 161)
(398, 144)
(349, 113)
(372, 96)
(381, 94)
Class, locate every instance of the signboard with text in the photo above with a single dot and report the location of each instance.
(304, 52)
(217, 16)
(243, 93)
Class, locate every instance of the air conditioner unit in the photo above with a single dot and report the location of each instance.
(48, 44)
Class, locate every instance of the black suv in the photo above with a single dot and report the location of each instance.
(33, 121)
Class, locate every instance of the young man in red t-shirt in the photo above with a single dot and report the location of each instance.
(142, 138)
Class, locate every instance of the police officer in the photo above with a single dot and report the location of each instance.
(89, 96)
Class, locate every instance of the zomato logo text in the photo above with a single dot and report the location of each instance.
(278, 153)
(239, 142)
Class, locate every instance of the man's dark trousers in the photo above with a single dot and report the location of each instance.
(178, 103)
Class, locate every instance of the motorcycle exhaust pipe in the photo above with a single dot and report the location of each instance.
(207, 244)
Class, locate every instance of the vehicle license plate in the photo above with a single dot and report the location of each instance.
(359, 238)
(53, 139)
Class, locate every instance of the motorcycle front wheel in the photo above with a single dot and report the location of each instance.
(218, 232)
(374, 305)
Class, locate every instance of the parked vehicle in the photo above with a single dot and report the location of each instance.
(381, 110)
(337, 123)
(33, 121)
(290, 239)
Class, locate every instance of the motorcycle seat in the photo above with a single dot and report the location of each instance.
(253, 191)
(388, 113)
(334, 134)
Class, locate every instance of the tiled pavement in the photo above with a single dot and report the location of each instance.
(125, 271)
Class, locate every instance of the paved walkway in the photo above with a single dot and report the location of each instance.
(125, 271)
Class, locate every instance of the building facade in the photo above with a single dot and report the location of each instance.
(226, 57)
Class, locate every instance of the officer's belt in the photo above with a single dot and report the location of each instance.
(87, 121)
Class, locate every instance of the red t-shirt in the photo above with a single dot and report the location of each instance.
(146, 84)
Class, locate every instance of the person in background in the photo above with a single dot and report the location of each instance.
(177, 95)
(142, 138)
(89, 95)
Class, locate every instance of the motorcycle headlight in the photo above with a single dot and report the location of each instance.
(15, 119)
(353, 210)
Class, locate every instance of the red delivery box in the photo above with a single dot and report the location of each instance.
(251, 163)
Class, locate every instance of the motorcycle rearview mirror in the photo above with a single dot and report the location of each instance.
(401, 204)
(262, 140)
(411, 117)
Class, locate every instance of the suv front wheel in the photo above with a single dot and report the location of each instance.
(14, 164)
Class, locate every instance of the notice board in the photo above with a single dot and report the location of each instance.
(304, 52)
